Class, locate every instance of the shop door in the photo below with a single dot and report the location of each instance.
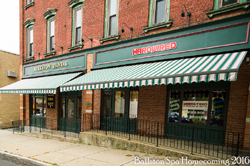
(116, 115)
(70, 119)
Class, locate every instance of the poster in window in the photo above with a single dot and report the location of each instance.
(51, 101)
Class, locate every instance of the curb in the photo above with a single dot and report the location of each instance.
(21, 160)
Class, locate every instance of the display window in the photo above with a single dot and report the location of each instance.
(39, 106)
(197, 106)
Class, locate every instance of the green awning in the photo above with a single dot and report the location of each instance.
(41, 85)
(221, 67)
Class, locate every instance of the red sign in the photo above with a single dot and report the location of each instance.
(151, 49)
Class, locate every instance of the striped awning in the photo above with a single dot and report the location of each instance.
(42, 85)
(221, 67)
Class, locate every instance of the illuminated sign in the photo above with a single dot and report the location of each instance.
(151, 49)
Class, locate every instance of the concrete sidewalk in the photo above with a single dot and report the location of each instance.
(54, 152)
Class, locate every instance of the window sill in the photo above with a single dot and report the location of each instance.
(75, 47)
(29, 5)
(29, 58)
(50, 53)
(228, 9)
(114, 37)
(157, 26)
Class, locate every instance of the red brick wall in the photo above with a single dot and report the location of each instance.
(133, 13)
(247, 125)
(52, 113)
(152, 103)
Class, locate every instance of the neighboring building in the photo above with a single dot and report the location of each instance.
(9, 103)
(179, 63)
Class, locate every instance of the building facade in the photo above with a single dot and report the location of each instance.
(9, 73)
(179, 63)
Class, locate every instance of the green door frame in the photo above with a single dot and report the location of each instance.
(113, 123)
(64, 123)
(203, 132)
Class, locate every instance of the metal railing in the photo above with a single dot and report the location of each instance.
(217, 143)
(48, 125)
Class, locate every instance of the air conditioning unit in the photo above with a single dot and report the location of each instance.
(11, 74)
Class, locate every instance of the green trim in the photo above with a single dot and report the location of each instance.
(50, 53)
(50, 13)
(29, 5)
(74, 3)
(75, 47)
(29, 58)
(243, 5)
(29, 22)
(167, 24)
(115, 37)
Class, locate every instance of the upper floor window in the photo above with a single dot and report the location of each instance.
(228, 2)
(30, 41)
(159, 11)
(29, 1)
(77, 31)
(51, 34)
(112, 11)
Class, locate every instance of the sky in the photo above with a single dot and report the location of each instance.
(9, 26)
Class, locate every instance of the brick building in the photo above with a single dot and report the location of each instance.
(174, 62)
(9, 73)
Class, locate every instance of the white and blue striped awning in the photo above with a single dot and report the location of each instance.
(221, 67)
(41, 85)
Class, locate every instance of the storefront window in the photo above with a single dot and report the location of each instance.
(107, 103)
(39, 106)
(174, 106)
(217, 110)
(70, 109)
(195, 106)
(119, 103)
(62, 112)
(133, 104)
(79, 107)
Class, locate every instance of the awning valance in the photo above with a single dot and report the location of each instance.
(221, 67)
(42, 85)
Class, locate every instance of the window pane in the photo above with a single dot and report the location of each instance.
(195, 106)
(78, 17)
(79, 107)
(78, 35)
(228, 2)
(52, 43)
(34, 106)
(31, 49)
(133, 104)
(112, 25)
(62, 113)
(52, 28)
(70, 109)
(174, 105)
(107, 103)
(39, 106)
(44, 106)
(31, 36)
(119, 103)
(217, 111)
(160, 11)
(112, 7)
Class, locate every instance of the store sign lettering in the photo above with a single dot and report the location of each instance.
(53, 66)
(151, 49)
(195, 105)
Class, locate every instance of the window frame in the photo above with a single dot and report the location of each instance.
(75, 9)
(49, 47)
(30, 53)
(154, 12)
(221, 4)
(108, 16)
